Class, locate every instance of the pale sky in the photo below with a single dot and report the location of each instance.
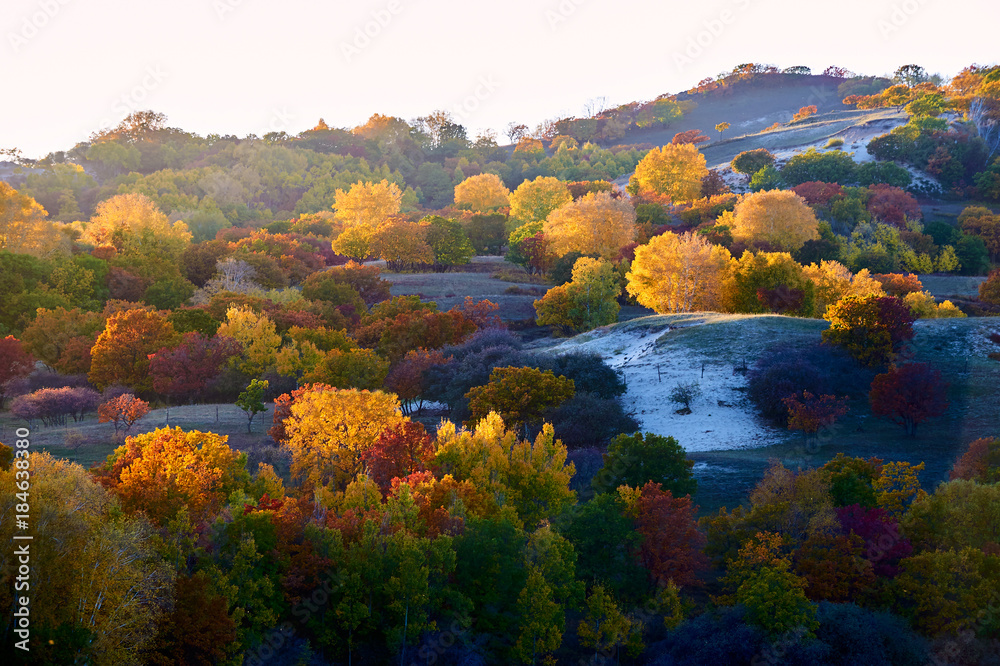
(254, 66)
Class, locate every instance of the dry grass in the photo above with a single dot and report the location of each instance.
(450, 289)
(89, 442)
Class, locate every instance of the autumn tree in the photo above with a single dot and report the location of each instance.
(521, 396)
(123, 411)
(892, 205)
(398, 452)
(909, 394)
(980, 461)
(767, 282)
(257, 336)
(367, 205)
(594, 224)
(674, 171)
(721, 127)
(408, 378)
(15, 362)
(693, 136)
(187, 369)
(25, 227)
(678, 273)
(779, 218)
(251, 400)
(534, 200)
(105, 588)
(146, 243)
(671, 547)
(482, 194)
(121, 353)
(981, 221)
(401, 244)
(833, 281)
(870, 328)
(327, 430)
(62, 338)
(589, 300)
(809, 413)
(606, 629)
(163, 471)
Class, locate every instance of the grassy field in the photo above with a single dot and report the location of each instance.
(957, 347)
(450, 289)
(93, 441)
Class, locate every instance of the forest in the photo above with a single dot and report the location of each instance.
(396, 481)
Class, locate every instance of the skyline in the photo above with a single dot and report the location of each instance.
(251, 66)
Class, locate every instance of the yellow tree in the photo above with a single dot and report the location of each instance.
(675, 170)
(258, 335)
(328, 429)
(94, 569)
(368, 204)
(25, 227)
(834, 281)
(532, 477)
(144, 239)
(678, 273)
(401, 243)
(483, 193)
(780, 218)
(595, 224)
(534, 200)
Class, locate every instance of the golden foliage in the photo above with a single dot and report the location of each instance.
(675, 170)
(780, 218)
(678, 273)
(482, 193)
(595, 224)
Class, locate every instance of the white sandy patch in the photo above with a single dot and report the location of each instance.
(720, 418)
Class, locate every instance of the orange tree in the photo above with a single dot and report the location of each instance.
(122, 351)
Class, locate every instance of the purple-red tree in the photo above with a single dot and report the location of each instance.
(909, 395)
(185, 370)
(15, 362)
(884, 546)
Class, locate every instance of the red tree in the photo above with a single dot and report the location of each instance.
(892, 205)
(407, 378)
(808, 413)
(884, 546)
(899, 284)
(909, 395)
(818, 193)
(690, 136)
(672, 546)
(399, 452)
(123, 411)
(15, 362)
(186, 369)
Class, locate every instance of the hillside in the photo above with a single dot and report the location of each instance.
(733, 446)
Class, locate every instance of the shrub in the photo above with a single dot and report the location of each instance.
(909, 395)
(835, 142)
(123, 411)
(588, 420)
(53, 405)
(684, 393)
(820, 369)
(989, 291)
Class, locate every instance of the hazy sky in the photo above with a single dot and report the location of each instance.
(253, 66)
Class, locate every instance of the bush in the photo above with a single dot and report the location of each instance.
(832, 167)
(835, 142)
(588, 420)
(684, 393)
(820, 369)
(53, 405)
(989, 291)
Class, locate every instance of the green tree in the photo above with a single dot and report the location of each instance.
(448, 241)
(521, 396)
(589, 300)
(633, 460)
(251, 400)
